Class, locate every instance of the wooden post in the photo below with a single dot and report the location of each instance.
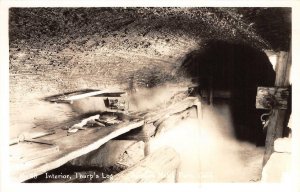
(145, 130)
(277, 119)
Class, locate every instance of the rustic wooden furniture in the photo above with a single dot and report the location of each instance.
(70, 147)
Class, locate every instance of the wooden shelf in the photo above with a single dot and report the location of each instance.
(70, 147)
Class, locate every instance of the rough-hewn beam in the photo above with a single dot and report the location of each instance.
(277, 119)
(70, 147)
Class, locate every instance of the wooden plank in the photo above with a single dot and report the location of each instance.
(272, 97)
(33, 134)
(170, 122)
(178, 107)
(90, 94)
(27, 151)
(62, 97)
(81, 95)
(61, 131)
(155, 118)
(132, 155)
(141, 134)
(277, 119)
(283, 69)
(40, 141)
(123, 153)
(83, 122)
(113, 157)
(156, 167)
(198, 104)
(71, 147)
(60, 134)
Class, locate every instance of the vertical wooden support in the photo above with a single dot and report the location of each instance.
(146, 139)
(199, 109)
(277, 119)
(146, 148)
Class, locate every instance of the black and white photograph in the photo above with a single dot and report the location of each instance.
(168, 94)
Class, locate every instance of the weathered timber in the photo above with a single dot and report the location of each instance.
(277, 118)
(90, 94)
(156, 167)
(132, 155)
(155, 118)
(40, 141)
(272, 97)
(33, 134)
(83, 123)
(171, 121)
(27, 151)
(178, 107)
(114, 152)
(159, 118)
(174, 113)
(140, 134)
(82, 94)
(70, 146)
(61, 130)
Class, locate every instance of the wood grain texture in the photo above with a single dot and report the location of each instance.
(174, 119)
(156, 167)
(32, 134)
(272, 97)
(71, 146)
(125, 152)
(140, 134)
(176, 108)
(27, 151)
(277, 119)
(283, 69)
(83, 94)
(155, 117)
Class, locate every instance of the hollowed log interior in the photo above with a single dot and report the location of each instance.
(238, 69)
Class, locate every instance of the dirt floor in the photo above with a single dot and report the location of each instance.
(209, 150)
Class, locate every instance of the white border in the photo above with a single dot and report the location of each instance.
(7, 186)
(152, 3)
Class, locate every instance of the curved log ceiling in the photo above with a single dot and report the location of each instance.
(260, 27)
(56, 50)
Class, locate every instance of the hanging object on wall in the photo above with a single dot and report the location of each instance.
(272, 98)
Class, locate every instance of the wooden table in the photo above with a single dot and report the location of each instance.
(70, 147)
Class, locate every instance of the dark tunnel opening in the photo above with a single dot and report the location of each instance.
(237, 69)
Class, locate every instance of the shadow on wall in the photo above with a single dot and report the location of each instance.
(239, 69)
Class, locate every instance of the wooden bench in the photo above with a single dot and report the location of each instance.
(70, 147)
